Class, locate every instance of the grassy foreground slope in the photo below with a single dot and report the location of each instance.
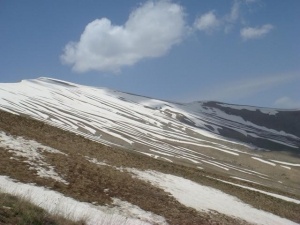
(88, 182)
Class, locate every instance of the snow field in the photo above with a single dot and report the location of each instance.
(122, 213)
(205, 198)
(31, 151)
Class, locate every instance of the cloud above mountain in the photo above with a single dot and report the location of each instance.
(256, 32)
(208, 22)
(150, 31)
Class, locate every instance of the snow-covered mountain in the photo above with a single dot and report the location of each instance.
(211, 135)
(101, 114)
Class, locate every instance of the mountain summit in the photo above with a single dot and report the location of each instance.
(127, 119)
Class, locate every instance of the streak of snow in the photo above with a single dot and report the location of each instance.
(127, 209)
(205, 198)
(95, 161)
(264, 161)
(250, 108)
(58, 204)
(238, 178)
(215, 164)
(286, 167)
(286, 163)
(149, 154)
(169, 160)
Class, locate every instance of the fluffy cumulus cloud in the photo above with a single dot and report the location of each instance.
(207, 22)
(287, 103)
(256, 32)
(150, 31)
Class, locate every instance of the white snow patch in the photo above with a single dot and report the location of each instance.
(32, 151)
(169, 160)
(95, 161)
(205, 198)
(264, 161)
(238, 178)
(127, 209)
(286, 163)
(150, 155)
(56, 203)
(286, 167)
(215, 164)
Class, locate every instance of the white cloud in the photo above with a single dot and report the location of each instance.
(207, 22)
(150, 31)
(231, 18)
(286, 102)
(234, 12)
(256, 32)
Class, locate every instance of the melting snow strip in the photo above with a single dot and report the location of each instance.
(286, 163)
(205, 198)
(55, 203)
(238, 178)
(286, 167)
(31, 150)
(264, 161)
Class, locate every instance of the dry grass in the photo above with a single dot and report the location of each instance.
(88, 181)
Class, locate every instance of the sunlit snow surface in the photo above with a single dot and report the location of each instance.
(55, 203)
(191, 194)
(206, 198)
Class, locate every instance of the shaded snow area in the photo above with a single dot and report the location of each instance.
(205, 198)
(31, 151)
(250, 108)
(122, 212)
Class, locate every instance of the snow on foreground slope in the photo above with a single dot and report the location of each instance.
(57, 204)
(191, 194)
(206, 198)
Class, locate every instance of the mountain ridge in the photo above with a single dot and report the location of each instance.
(230, 108)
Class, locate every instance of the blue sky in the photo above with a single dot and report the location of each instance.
(236, 51)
